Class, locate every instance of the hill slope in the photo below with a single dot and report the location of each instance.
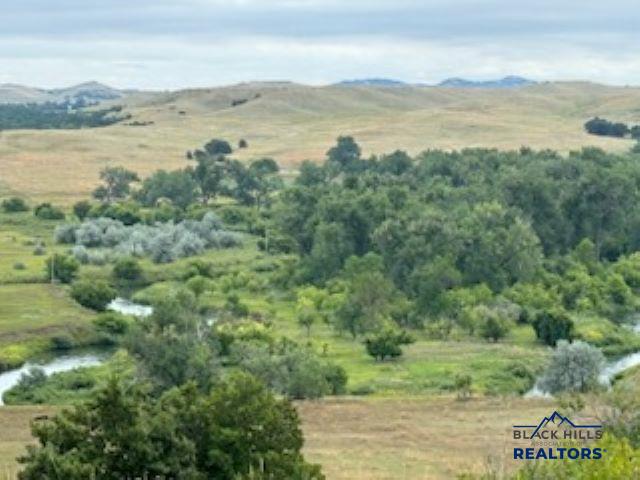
(293, 122)
(88, 91)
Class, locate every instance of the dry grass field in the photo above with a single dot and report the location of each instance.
(292, 122)
(374, 438)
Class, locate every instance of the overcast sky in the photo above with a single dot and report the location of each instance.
(164, 44)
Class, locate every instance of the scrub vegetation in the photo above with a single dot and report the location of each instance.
(465, 275)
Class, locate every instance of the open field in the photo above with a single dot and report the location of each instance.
(32, 314)
(19, 235)
(374, 438)
(292, 122)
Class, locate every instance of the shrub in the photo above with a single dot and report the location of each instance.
(112, 323)
(46, 211)
(62, 342)
(19, 266)
(164, 243)
(574, 367)
(387, 343)
(65, 234)
(234, 306)
(337, 378)
(62, 268)
(198, 285)
(462, 384)
(93, 294)
(127, 270)
(14, 205)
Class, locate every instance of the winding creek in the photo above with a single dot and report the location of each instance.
(610, 370)
(70, 360)
(63, 363)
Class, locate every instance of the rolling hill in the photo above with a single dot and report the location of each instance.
(89, 91)
(292, 122)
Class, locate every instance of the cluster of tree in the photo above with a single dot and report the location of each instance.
(176, 345)
(56, 116)
(606, 128)
(214, 174)
(238, 431)
(480, 239)
(14, 205)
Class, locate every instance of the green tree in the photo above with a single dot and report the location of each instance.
(116, 184)
(218, 147)
(14, 205)
(178, 186)
(127, 270)
(93, 294)
(81, 209)
(552, 325)
(494, 325)
(345, 155)
(387, 343)
(62, 268)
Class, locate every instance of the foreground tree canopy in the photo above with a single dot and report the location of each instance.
(239, 431)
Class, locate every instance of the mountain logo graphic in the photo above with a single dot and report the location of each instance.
(555, 420)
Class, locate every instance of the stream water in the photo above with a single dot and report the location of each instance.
(69, 361)
(127, 307)
(62, 363)
(607, 374)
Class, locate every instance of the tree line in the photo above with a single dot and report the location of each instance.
(52, 115)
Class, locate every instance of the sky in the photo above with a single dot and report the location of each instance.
(161, 44)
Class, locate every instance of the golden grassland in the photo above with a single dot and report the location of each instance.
(413, 438)
(373, 438)
(292, 122)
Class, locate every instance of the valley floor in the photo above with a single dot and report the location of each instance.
(431, 437)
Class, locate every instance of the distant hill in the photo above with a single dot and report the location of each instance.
(84, 93)
(372, 82)
(506, 82)
(292, 123)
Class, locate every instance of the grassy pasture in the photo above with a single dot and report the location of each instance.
(292, 122)
(32, 314)
(19, 234)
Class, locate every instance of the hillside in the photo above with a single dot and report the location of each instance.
(88, 91)
(293, 122)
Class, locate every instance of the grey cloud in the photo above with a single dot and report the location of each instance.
(161, 43)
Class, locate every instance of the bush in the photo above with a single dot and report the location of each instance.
(19, 266)
(93, 294)
(462, 384)
(337, 378)
(65, 234)
(14, 205)
(62, 268)
(574, 367)
(46, 211)
(62, 342)
(386, 344)
(127, 270)
(112, 323)
(164, 243)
